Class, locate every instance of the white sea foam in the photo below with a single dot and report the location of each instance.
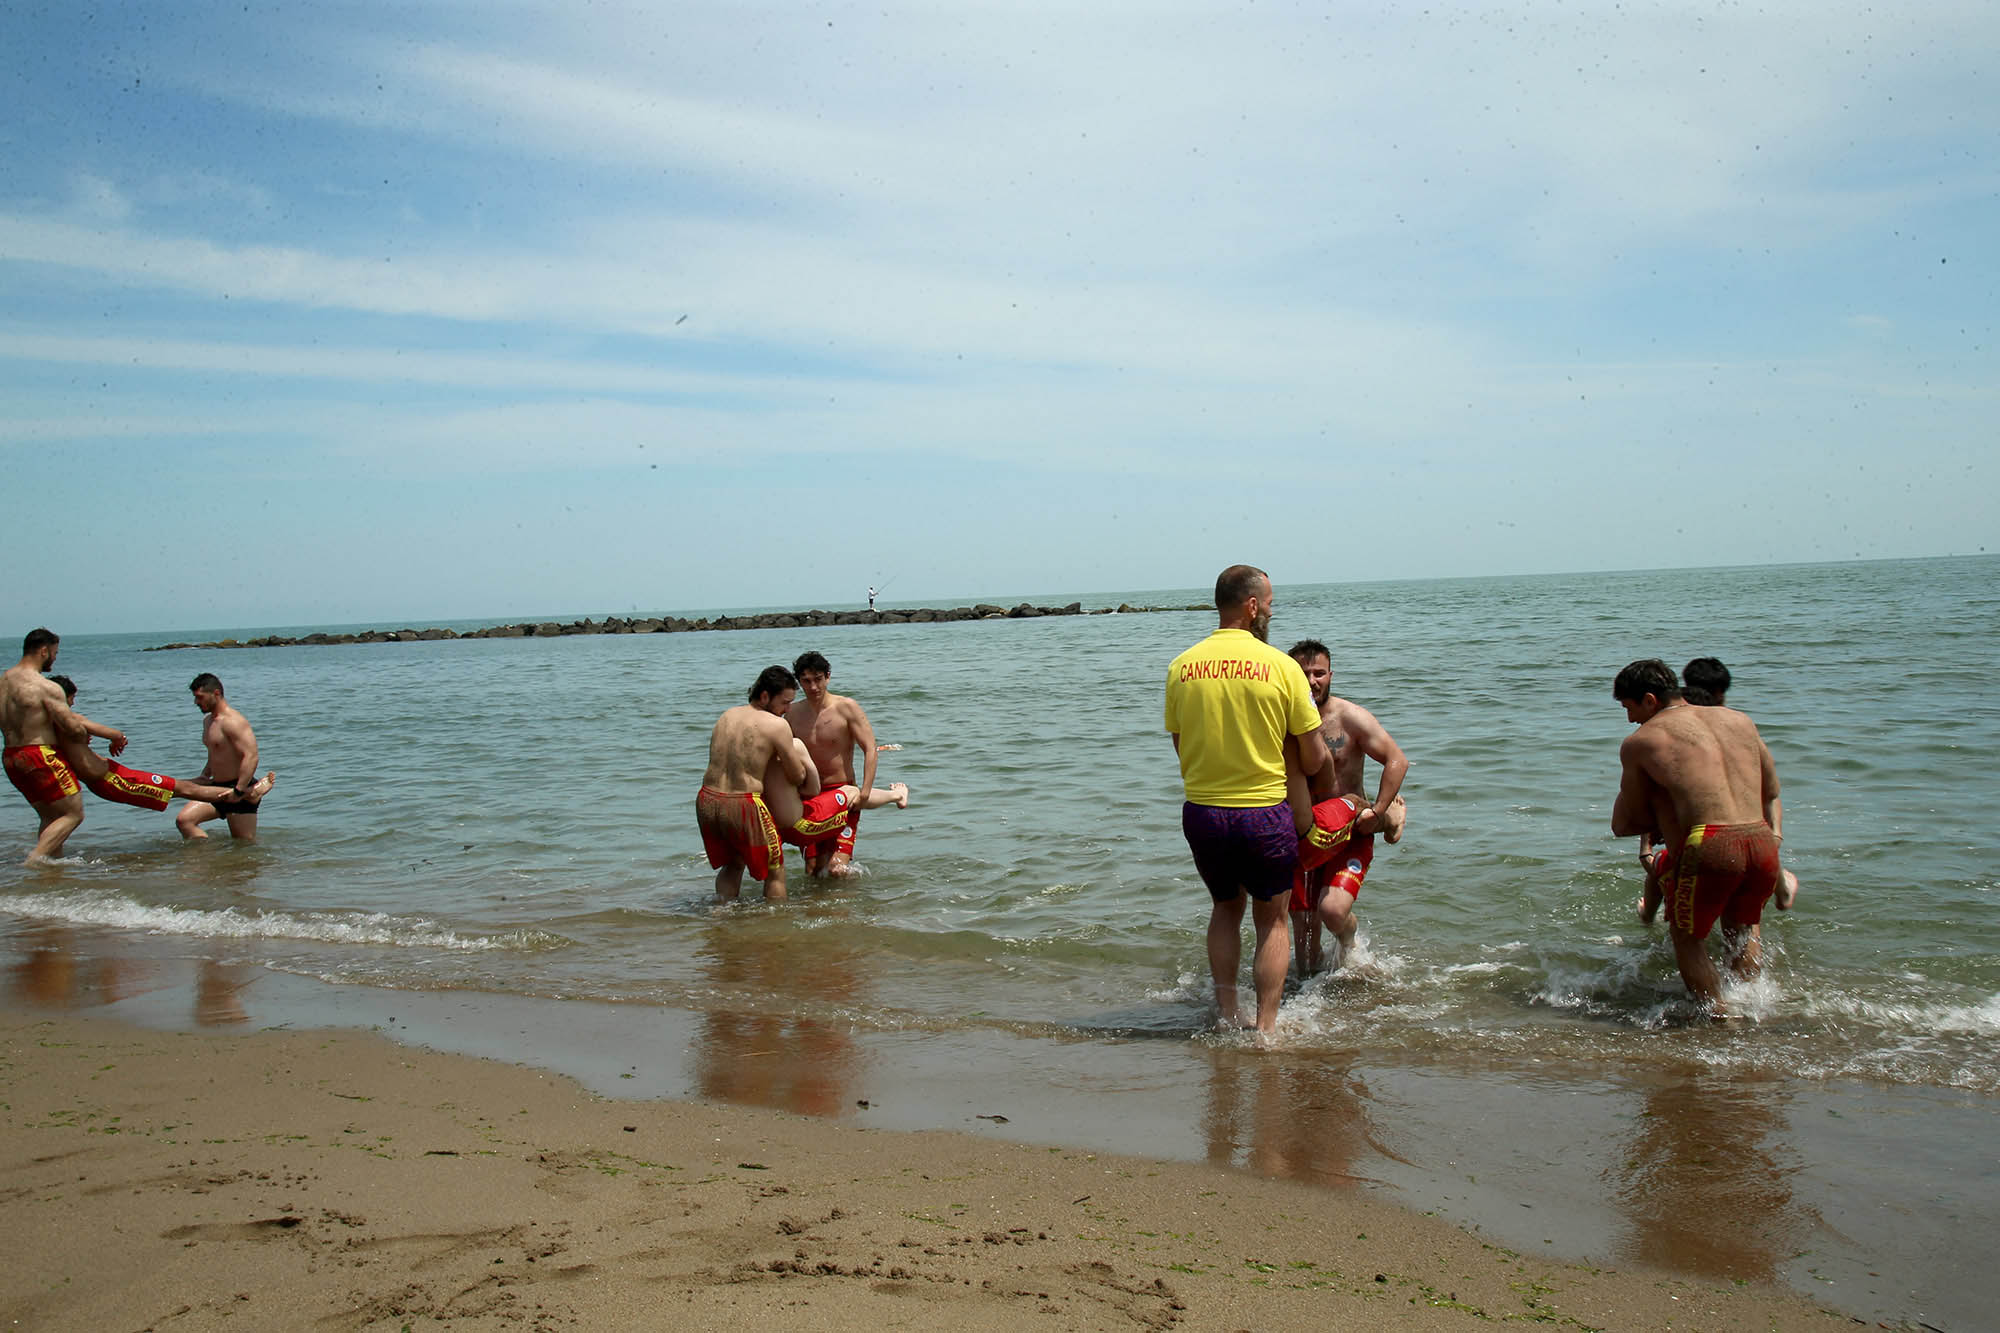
(374, 928)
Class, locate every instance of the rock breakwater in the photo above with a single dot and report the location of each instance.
(550, 629)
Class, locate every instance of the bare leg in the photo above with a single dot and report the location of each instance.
(1651, 896)
(199, 810)
(59, 820)
(1745, 951)
(774, 886)
(1697, 968)
(1225, 952)
(1273, 959)
(1336, 911)
(1393, 821)
(729, 882)
(895, 794)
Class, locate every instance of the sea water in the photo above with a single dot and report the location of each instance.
(505, 828)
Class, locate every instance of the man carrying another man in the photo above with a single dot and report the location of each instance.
(832, 726)
(1703, 779)
(1336, 830)
(1232, 700)
(48, 755)
(750, 742)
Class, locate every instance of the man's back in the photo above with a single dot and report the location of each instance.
(24, 715)
(1231, 702)
(742, 747)
(1710, 762)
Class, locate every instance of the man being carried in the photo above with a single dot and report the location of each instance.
(48, 751)
(832, 726)
(807, 813)
(1336, 830)
(1232, 700)
(1703, 778)
(737, 830)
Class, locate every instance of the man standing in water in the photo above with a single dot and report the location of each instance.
(1703, 778)
(1325, 894)
(1705, 683)
(832, 725)
(737, 830)
(1232, 699)
(232, 760)
(112, 781)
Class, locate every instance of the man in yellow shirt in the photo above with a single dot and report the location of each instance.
(1232, 699)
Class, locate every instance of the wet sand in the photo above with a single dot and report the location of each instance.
(184, 1180)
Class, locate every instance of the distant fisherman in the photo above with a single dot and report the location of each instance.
(737, 830)
(1232, 699)
(1703, 778)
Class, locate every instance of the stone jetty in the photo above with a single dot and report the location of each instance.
(549, 629)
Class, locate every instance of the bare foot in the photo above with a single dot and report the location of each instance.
(1393, 821)
(1788, 890)
(263, 785)
(902, 794)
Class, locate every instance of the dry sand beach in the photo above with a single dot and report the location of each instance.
(175, 1180)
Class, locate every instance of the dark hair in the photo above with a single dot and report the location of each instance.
(207, 681)
(1705, 680)
(772, 680)
(1649, 675)
(1305, 650)
(1237, 585)
(813, 662)
(38, 639)
(68, 686)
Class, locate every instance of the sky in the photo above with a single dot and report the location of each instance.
(400, 312)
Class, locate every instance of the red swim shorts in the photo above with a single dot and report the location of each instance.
(841, 840)
(39, 773)
(1723, 872)
(128, 786)
(1344, 870)
(737, 828)
(825, 818)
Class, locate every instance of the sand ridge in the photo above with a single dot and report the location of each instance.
(334, 1180)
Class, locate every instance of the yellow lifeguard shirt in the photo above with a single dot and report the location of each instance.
(1232, 699)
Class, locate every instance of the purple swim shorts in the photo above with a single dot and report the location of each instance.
(1238, 850)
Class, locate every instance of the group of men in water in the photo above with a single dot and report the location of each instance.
(781, 769)
(1276, 818)
(49, 760)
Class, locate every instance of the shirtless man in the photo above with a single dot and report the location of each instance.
(1337, 840)
(1705, 683)
(737, 830)
(232, 763)
(1703, 778)
(832, 725)
(48, 751)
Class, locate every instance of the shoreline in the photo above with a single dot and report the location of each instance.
(550, 629)
(1675, 1184)
(275, 1177)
